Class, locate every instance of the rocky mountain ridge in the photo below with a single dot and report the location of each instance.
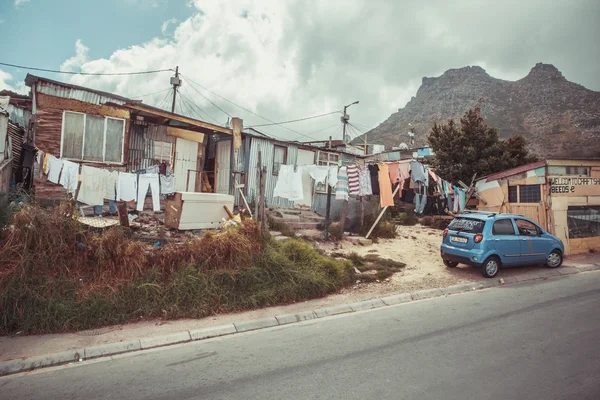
(556, 116)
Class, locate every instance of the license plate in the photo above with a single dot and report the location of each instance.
(458, 239)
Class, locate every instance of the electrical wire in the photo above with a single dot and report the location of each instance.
(297, 120)
(245, 109)
(85, 73)
(223, 111)
(165, 99)
(201, 113)
(150, 94)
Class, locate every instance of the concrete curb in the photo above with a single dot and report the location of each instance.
(79, 355)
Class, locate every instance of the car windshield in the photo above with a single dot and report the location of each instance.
(468, 225)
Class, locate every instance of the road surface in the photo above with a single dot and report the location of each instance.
(528, 341)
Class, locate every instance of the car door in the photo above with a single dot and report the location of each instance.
(533, 246)
(505, 240)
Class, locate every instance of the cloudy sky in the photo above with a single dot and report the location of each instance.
(289, 59)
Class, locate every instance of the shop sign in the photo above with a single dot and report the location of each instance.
(570, 185)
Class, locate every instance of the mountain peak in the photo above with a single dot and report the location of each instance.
(543, 71)
(458, 73)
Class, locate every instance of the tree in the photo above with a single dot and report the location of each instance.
(473, 148)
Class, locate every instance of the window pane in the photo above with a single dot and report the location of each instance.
(529, 194)
(468, 225)
(526, 228)
(94, 138)
(162, 151)
(114, 139)
(279, 158)
(503, 227)
(583, 221)
(72, 135)
(512, 194)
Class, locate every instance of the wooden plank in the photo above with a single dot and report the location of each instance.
(180, 118)
(123, 214)
(185, 134)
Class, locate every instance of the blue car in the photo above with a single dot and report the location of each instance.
(493, 240)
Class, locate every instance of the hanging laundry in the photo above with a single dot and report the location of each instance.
(127, 186)
(318, 172)
(353, 180)
(374, 171)
(110, 185)
(450, 200)
(341, 188)
(54, 167)
(420, 202)
(153, 169)
(167, 184)
(385, 187)
(394, 172)
(69, 178)
(333, 176)
(145, 181)
(92, 190)
(365, 181)
(289, 184)
(418, 172)
(45, 163)
(408, 196)
(456, 205)
(433, 175)
(404, 170)
(463, 199)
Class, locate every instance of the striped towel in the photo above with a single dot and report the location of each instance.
(341, 187)
(353, 180)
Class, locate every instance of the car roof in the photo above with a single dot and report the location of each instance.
(487, 215)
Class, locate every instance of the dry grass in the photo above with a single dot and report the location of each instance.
(57, 275)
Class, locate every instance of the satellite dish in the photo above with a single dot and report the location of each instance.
(403, 146)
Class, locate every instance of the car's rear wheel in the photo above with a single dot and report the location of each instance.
(490, 267)
(450, 264)
(554, 260)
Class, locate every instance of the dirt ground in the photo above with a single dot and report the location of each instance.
(416, 246)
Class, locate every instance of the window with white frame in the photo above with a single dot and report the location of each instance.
(92, 137)
(329, 160)
(163, 152)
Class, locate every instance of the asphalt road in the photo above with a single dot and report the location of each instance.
(528, 341)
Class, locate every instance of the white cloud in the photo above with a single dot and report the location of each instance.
(18, 87)
(287, 60)
(81, 56)
(19, 3)
(165, 26)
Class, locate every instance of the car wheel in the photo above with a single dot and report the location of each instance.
(450, 264)
(490, 267)
(554, 260)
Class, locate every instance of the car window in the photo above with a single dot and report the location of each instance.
(469, 225)
(526, 228)
(503, 227)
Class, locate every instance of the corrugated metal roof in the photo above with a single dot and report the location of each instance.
(69, 91)
(515, 171)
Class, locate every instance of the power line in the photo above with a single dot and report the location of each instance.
(245, 109)
(86, 73)
(165, 99)
(297, 120)
(200, 112)
(223, 111)
(150, 94)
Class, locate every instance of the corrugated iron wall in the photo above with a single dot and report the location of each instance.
(76, 94)
(141, 148)
(17, 135)
(266, 147)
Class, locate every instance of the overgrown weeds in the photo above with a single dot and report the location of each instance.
(281, 227)
(372, 267)
(408, 217)
(56, 275)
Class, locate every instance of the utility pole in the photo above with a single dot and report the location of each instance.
(345, 118)
(176, 82)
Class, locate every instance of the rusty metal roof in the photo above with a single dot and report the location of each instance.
(514, 171)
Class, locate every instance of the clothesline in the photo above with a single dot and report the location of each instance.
(411, 176)
(98, 184)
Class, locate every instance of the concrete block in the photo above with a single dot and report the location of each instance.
(291, 318)
(367, 305)
(567, 270)
(214, 331)
(53, 359)
(454, 289)
(427, 294)
(397, 299)
(510, 279)
(341, 309)
(11, 367)
(488, 283)
(112, 348)
(165, 340)
(256, 324)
